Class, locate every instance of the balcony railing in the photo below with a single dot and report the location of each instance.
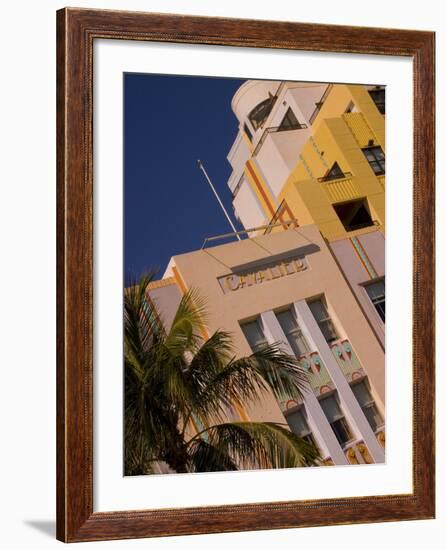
(341, 190)
(347, 359)
(320, 103)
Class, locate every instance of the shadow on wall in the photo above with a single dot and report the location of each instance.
(45, 526)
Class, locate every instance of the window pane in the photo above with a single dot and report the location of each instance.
(373, 416)
(322, 317)
(376, 290)
(293, 333)
(298, 343)
(260, 113)
(335, 416)
(254, 334)
(376, 159)
(379, 97)
(377, 294)
(289, 121)
(341, 431)
(362, 393)
(368, 406)
(318, 310)
(286, 321)
(328, 330)
(298, 423)
(381, 309)
(331, 408)
(379, 153)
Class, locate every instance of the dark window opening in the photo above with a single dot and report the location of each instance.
(254, 334)
(335, 173)
(350, 107)
(323, 319)
(364, 397)
(376, 159)
(354, 215)
(377, 295)
(379, 98)
(289, 122)
(335, 416)
(260, 113)
(247, 132)
(293, 333)
(297, 421)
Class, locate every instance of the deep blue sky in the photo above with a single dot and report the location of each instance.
(170, 122)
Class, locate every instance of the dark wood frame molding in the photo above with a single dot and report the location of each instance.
(76, 31)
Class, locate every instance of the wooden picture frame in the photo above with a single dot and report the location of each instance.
(76, 31)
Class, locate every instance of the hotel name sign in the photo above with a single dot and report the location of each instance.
(270, 272)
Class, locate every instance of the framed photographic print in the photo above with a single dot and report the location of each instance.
(237, 201)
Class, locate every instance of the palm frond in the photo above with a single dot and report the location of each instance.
(189, 324)
(243, 380)
(283, 372)
(141, 324)
(204, 457)
(259, 445)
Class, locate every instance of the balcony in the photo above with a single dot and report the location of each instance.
(273, 130)
(341, 190)
(347, 360)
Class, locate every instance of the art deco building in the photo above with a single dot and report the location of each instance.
(287, 287)
(314, 153)
(308, 176)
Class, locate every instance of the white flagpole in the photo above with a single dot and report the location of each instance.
(200, 165)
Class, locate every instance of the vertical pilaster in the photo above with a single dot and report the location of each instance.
(316, 416)
(348, 400)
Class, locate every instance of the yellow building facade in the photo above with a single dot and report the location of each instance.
(318, 158)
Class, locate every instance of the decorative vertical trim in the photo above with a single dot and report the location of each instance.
(346, 395)
(318, 152)
(259, 188)
(179, 280)
(324, 433)
(363, 257)
(307, 168)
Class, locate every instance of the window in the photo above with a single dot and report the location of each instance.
(362, 393)
(351, 107)
(332, 410)
(293, 333)
(377, 294)
(379, 98)
(289, 122)
(247, 131)
(254, 334)
(297, 421)
(323, 319)
(334, 173)
(260, 113)
(354, 215)
(376, 159)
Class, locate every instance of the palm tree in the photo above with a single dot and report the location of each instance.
(178, 380)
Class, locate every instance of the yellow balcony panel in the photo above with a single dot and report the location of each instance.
(382, 181)
(341, 190)
(359, 128)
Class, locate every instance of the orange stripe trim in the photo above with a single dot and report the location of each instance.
(364, 265)
(290, 213)
(183, 288)
(260, 188)
(179, 280)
